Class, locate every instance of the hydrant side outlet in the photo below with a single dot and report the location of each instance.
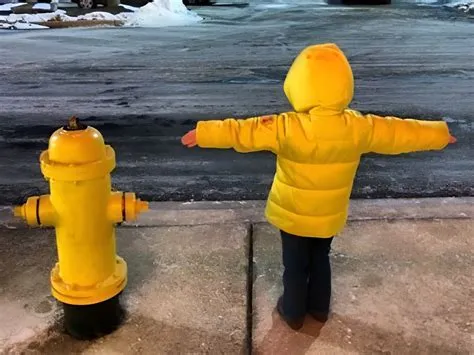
(84, 212)
(37, 211)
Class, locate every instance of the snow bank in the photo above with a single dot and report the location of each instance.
(22, 26)
(10, 6)
(32, 18)
(41, 6)
(465, 6)
(99, 15)
(159, 13)
(26, 21)
(162, 13)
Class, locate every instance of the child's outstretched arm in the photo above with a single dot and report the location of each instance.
(393, 135)
(248, 135)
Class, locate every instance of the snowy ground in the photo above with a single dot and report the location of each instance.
(160, 13)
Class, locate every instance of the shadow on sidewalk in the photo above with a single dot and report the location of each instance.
(345, 335)
(139, 335)
(280, 339)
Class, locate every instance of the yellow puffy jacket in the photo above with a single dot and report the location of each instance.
(319, 146)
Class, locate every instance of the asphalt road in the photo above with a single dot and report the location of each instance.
(144, 88)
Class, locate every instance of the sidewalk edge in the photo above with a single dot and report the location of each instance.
(205, 213)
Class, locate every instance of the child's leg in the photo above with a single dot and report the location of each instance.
(320, 277)
(296, 259)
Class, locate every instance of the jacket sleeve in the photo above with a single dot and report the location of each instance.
(392, 135)
(247, 135)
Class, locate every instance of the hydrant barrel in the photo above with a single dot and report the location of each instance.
(92, 246)
(89, 275)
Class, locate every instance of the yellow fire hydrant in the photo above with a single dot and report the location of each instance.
(89, 276)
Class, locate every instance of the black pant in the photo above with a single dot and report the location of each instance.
(307, 275)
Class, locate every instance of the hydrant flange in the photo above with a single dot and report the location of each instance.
(87, 295)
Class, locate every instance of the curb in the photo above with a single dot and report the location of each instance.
(164, 214)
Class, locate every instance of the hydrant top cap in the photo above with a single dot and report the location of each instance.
(76, 146)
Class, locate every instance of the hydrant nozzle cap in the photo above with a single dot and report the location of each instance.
(141, 206)
(18, 212)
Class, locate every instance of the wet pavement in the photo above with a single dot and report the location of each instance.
(144, 88)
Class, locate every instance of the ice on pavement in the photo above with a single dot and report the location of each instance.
(159, 13)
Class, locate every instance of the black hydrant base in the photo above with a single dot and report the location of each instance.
(95, 320)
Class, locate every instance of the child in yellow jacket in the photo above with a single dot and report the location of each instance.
(318, 149)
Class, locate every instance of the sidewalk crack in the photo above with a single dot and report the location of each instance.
(250, 277)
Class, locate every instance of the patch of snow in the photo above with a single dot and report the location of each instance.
(60, 15)
(41, 6)
(128, 7)
(162, 13)
(29, 26)
(31, 18)
(9, 7)
(98, 15)
(465, 6)
(458, 3)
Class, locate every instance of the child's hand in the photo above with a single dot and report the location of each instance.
(189, 139)
(452, 139)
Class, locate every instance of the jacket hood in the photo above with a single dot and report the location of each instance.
(320, 77)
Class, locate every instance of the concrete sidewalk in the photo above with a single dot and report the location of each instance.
(204, 278)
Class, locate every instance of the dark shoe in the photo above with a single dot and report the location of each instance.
(320, 316)
(294, 324)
